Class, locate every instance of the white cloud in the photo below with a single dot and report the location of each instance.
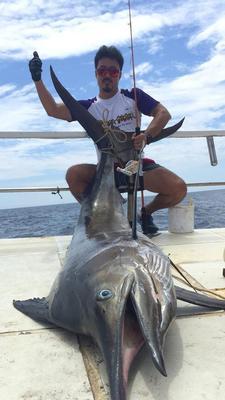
(56, 29)
(198, 95)
(155, 43)
(59, 29)
(213, 32)
(35, 159)
(5, 89)
(140, 70)
(20, 110)
(143, 68)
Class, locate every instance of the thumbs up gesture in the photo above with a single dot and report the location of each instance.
(35, 65)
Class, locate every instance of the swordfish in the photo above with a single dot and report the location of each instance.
(116, 289)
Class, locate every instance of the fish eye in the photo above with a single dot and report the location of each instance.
(103, 294)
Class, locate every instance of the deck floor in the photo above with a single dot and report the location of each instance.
(43, 363)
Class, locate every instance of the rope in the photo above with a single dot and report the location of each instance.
(112, 133)
(186, 279)
(109, 131)
(179, 270)
(57, 192)
(213, 292)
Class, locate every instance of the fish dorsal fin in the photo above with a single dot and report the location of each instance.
(93, 127)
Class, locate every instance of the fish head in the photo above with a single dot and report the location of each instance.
(125, 311)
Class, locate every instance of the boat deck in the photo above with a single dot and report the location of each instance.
(45, 363)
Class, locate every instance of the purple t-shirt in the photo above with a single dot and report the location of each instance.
(119, 110)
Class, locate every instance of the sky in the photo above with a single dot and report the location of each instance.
(179, 51)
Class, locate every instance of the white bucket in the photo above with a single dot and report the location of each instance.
(181, 218)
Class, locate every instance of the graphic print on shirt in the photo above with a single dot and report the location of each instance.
(121, 121)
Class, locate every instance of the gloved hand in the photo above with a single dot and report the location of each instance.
(35, 65)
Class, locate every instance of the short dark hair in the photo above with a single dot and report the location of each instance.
(109, 52)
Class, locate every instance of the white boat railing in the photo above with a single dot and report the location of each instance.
(82, 134)
(58, 189)
(209, 135)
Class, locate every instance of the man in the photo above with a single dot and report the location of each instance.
(118, 106)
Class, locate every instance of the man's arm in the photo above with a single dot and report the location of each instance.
(161, 117)
(53, 109)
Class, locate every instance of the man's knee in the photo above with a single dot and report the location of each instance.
(80, 173)
(79, 177)
(180, 190)
(70, 174)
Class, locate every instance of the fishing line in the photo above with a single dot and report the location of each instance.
(137, 129)
(139, 175)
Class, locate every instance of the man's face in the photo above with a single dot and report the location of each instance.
(108, 75)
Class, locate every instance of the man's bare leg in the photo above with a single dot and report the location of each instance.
(79, 177)
(170, 188)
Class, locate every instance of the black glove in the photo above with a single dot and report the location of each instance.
(35, 67)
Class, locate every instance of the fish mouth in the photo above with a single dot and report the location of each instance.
(136, 321)
(148, 311)
(132, 338)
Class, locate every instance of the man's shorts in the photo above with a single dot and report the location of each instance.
(121, 179)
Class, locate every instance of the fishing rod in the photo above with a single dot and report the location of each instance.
(139, 179)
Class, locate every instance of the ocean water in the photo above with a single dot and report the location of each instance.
(61, 219)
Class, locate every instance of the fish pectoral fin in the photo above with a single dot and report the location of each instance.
(36, 308)
(188, 311)
(199, 299)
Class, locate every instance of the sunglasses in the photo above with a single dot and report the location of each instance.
(112, 71)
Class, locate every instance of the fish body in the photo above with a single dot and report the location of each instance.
(110, 280)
